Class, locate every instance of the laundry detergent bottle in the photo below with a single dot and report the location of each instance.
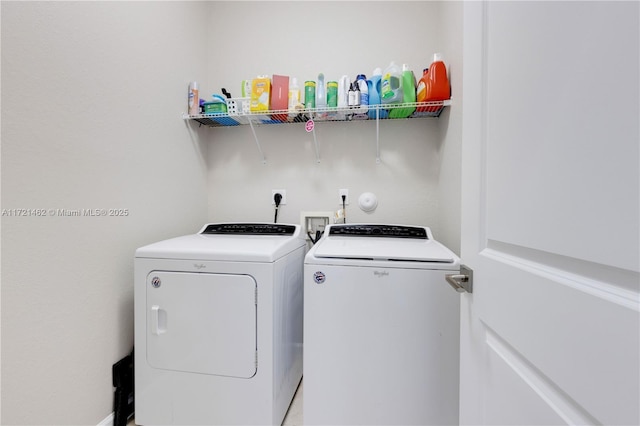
(373, 87)
(363, 86)
(437, 87)
(391, 85)
(408, 94)
(421, 90)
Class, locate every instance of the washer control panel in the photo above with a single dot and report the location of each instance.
(391, 231)
(249, 229)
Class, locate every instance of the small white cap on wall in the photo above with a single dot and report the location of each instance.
(368, 201)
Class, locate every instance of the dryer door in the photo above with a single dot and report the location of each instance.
(202, 323)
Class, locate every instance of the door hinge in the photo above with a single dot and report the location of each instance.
(463, 281)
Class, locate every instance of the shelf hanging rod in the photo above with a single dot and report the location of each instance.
(255, 137)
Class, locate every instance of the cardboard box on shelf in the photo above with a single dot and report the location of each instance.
(260, 94)
(279, 96)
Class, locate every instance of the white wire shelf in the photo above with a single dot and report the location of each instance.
(241, 116)
(371, 112)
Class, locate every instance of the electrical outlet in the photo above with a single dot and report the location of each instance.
(282, 192)
(312, 222)
(342, 192)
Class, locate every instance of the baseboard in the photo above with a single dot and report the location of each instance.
(108, 421)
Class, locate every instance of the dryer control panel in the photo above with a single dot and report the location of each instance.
(249, 229)
(391, 231)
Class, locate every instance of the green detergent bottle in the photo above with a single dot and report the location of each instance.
(408, 92)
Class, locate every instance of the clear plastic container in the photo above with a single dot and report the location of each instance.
(391, 85)
(332, 94)
(294, 94)
(309, 94)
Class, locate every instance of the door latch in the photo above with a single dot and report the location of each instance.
(463, 281)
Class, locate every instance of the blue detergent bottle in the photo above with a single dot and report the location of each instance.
(374, 94)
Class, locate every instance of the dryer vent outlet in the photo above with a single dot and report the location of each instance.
(314, 222)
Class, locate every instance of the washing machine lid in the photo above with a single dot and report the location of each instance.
(238, 242)
(393, 243)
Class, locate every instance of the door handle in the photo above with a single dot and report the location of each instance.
(462, 282)
(158, 320)
(456, 281)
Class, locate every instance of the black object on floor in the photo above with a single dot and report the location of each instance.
(123, 381)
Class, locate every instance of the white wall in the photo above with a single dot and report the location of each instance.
(92, 96)
(302, 39)
(450, 125)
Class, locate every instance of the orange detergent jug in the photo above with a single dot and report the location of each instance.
(438, 89)
(436, 83)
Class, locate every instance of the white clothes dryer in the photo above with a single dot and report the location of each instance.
(218, 325)
(381, 328)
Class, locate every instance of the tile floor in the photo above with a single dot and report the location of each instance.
(292, 418)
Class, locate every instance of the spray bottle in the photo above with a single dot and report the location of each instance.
(321, 93)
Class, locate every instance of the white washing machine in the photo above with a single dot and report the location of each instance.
(381, 328)
(218, 325)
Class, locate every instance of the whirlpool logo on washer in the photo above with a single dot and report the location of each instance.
(319, 277)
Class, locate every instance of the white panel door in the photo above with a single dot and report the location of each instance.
(550, 213)
(202, 323)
